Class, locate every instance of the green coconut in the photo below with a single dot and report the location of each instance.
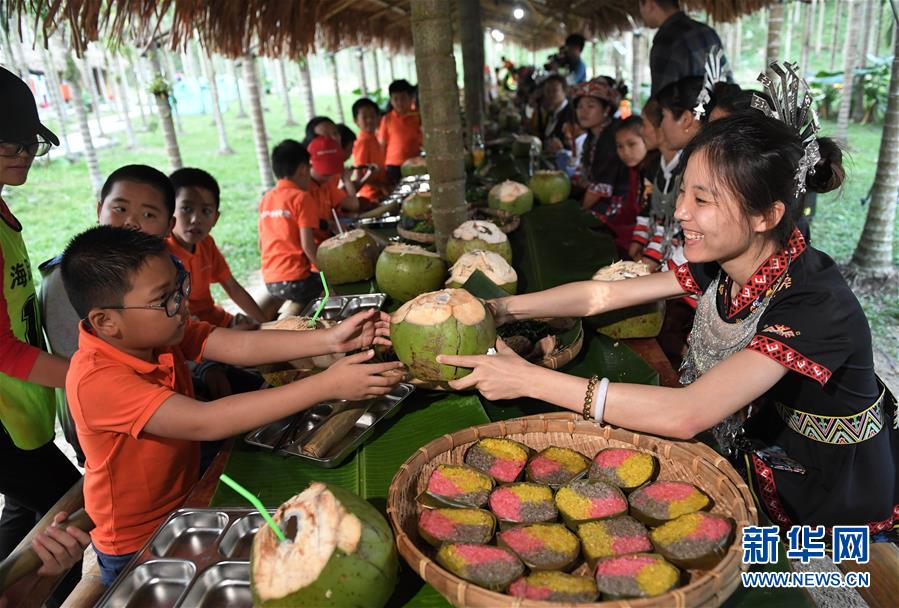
(348, 257)
(404, 271)
(490, 263)
(478, 235)
(550, 187)
(339, 552)
(415, 213)
(448, 322)
(642, 321)
(524, 144)
(510, 196)
(417, 165)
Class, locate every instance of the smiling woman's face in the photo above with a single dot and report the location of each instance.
(14, 170)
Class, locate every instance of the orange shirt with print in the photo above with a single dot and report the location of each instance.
(327, 195)
(206, 266)
(282, 212)
(367, 150)
(401, 136)
(132, 480)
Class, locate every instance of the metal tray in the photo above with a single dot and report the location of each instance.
(289, 435)
(197, 558)
(338, 308)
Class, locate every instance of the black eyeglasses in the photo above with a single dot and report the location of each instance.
(11, 149)
(173, 302)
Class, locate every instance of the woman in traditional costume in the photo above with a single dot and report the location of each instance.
(780, 366)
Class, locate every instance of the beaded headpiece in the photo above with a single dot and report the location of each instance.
(791, 103)
(715, 72)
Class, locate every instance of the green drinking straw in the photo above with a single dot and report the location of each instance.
(321, 304)
(256, 503)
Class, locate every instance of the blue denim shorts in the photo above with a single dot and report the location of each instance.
(111, 565)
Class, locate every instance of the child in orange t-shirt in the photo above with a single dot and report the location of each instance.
(130, 391)
(196, 213)
(400, 130)
(368, 152)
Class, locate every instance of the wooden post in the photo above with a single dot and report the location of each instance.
(260, 137)
(432, 34)
(472, 37)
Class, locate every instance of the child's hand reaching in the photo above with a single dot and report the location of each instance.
(353, 379)
(360, 331)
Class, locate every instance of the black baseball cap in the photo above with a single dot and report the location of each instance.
(19, 121)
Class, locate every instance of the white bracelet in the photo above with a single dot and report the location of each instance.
(599, 402)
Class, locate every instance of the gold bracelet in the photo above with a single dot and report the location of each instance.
(588, 398)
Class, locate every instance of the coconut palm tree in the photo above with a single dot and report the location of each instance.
(332, 63)
(873, 256)
(285, 91)
(256, 117)
(821, 9)
(306, 89)
(161, 91)
(360, 67)
(432, 35)
(90, 83)
(55, 96)
(775, 25)
(472, 37)
(90, 154)
(121, 92)
(850, 60)
(838, 11)
(125, 65)
(808, 24)
(209, 69)
(232, 67)
(374, 62)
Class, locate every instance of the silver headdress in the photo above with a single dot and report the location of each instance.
(715, 72)
(791, 103)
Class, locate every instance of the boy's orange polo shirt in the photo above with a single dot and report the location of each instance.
(327, 196)
(132, 480)
(401, 136)
(367, 150)
(206, 266)
(283, 211)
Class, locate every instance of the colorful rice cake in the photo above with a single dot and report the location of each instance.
(502, 459)
(635, 576)
(484, 565)
(523, 503)
(583, 500)
(555, 587)
(472, 526)
(542, 546)
(458, 486)
(662, 501)
(612, 537)
(696, 540)
(556, 466)
(624, 468)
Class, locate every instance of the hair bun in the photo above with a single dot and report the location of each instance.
(829, 172)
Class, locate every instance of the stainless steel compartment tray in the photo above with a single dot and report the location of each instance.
(289, 435)
(339, 308)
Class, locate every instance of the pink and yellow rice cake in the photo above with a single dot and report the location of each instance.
(474, 526)
(526, 503)
(611, 537)
(661, 501)
(542, 546)
(555, 587)
(502, 459)
(636, 575)
(696, 540)
(484, 565)
(624, 468)
(586, 499)
(556, 466)
(457, 485)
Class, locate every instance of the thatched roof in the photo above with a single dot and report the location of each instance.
(297, 27)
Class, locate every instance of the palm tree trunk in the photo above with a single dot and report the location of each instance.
(853, 17)
(306, 89)
(374, 61)
(392, 68)
(838, 11)
(592, 59)
(874, 253)
(737, 57)
(637, 69)
(821, 8)
(862, 42)
(360, 67)
(775, 24)
(285, 91)
(55, 97)
(332, 63)
(791, 17)
(13, 50)
(126, 66)
(432, 34)
(232, 66)
(90, 154)
(209, 69)
(259, 136)
(472, 37)
(808, 24)
(172, 77)
(160, 90)
(121, 91)
(87, 75)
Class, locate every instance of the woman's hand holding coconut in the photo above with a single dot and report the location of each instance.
(500, 376)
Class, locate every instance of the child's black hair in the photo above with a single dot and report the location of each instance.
(310, 127)
(576, 40)
(191, 177)
(756, 157)
(142, 174)
(287, 156)
(555, 77)
(364, 102)
(679, 97)
(98, 265)
(401, 86)
(347, 137)
(633, 123)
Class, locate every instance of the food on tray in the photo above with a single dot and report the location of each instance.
(340, 551)
(459, 486)
(484, 565)
(490, 263)
(614, 536)
(472, 526)
(502, 459)
(624, 468)
(634, 576)
(525, 503)
(695, 540)
(586, 499)
(661, 501)
(542, 546)
(478, 235)
(555, 587)
(556, 466)
(405, 271)
(348, 257)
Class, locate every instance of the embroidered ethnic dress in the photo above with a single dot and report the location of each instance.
(829, 413)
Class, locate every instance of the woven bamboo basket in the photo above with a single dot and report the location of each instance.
(679, 460)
